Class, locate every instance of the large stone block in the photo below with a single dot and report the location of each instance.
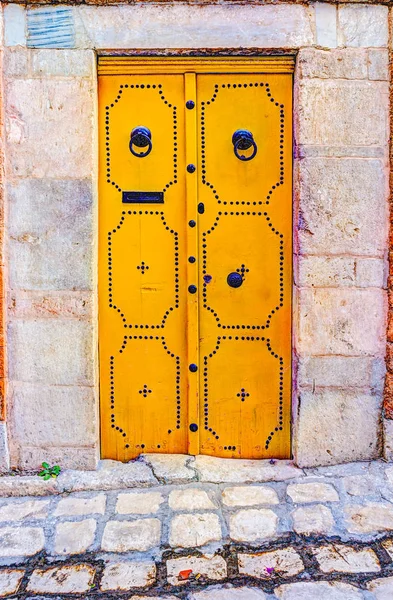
(343, 113)
(15, 62)
(51, 351)
(193, 26)
(378, 64)
(326, 271)
(63, 63)
(336, 426)
(343, 207)
(50, 127)
(348, 63)
(326, 24)
(35, 303)
(53, 415)
(51, 239)
(363, 25)
(4, 452)
(31, 457)
(347, 322)
(14, 25)
(334, 371)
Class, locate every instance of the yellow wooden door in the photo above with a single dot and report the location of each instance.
(195, 254)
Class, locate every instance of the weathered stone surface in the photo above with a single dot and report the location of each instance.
(312, 492)
(371, 517)
(74, 537)
(51, 231)
(359, 485)
(139, 503)
(15, 62)
(70, 410)
(189, 530)
(334, 371)
(21, 541)
(10, 581)
(4, 451)
(388, 439)
(190, 499)
(344, 559)
(326, 271)
(371, 272)
(123, 576)
(343, 113)
(75, 579)
(30, 457)
(343, 206)
(322, 440)
(313, 519)
(123, 536)
(249, 496)
(176, 26)
(61, 342)
(76, 506)
(251, 525)
(382, 588)
(378, 64)
(174, 468)
(50, 28)
(348, 63)
(63, 63)
(66, 120)
(284, 562)
(50, 303)
(14, 25)
(226, 470)
(361, 25)
(209, 567)
(328, 590)
(30, 509)
(326, 24)
(227, 592)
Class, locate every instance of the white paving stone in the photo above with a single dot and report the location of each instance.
(313, 519)
(75, 579)
(303, 493)
(190, 499)
(249, 496)
(382, 588)
(371, 517)
(143, 503)
(344, 559)
(10, 581)
(250, 525)
(321, 590)
(125, 575)
(21, 541)
(284, 562)
(74, 537)
(74, 506)
(229, 593)
(123, 536)
(189, 530)
(18, 511)
(209, 567)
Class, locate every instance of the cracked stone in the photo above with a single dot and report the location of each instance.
(189, 530)
(249, 496)
(369, 518)
(253, 524)
(345, 559)
(170, 468)
(382, 588)
(126, 575)
(303, 493)
(209, 567)
(284, 562)
(225, 470)
(122, 536)
(74, 537)
(75, 579)
(312, 519)
(191, 499)
(321, 590)
(21, 541)
(72, 506)
(18, 511)
(10, 581)
(139, 503)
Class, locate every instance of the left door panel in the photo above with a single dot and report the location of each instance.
(142, 304)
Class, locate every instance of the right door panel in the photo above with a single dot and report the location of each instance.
(245, 232)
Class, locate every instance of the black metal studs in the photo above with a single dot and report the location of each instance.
(192, 289)
(193, 427)
(190, 104)
(192, 223)
(201, 208)
(191, 168)
(234, 280)
(193, 368)
(191, 259)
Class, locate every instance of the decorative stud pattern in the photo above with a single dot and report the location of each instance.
(242, 271)
(142, 267)
(145, 391)
(243, 394)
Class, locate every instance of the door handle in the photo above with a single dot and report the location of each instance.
(141, 137)
(243, 139)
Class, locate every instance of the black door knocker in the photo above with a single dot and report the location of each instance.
(243, 139)
(141, 137)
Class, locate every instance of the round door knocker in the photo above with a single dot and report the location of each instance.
(141, 137)
(243, 139)
(234, 280)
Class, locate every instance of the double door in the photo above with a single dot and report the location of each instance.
(195, 259)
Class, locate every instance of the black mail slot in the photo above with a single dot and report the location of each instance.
(143, 197)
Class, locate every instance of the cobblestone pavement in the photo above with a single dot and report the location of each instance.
(200, 529)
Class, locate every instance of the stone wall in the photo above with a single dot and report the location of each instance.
(341, 190)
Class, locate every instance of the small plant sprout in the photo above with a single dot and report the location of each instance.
(48, 471)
